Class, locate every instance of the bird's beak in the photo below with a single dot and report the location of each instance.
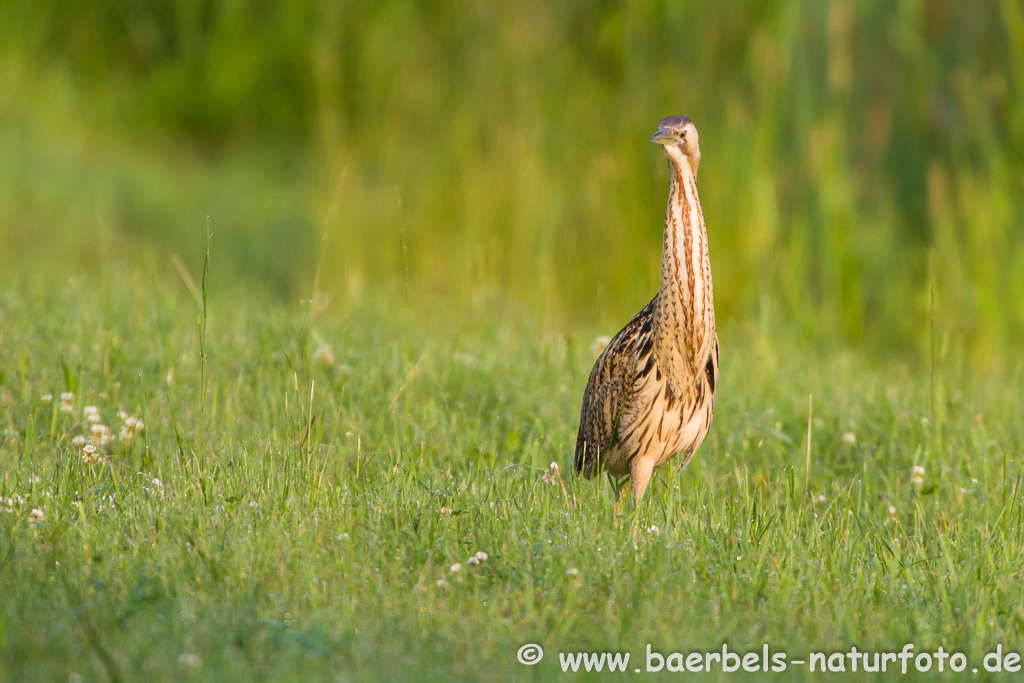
(665, 136)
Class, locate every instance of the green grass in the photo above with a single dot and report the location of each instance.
(299, 526)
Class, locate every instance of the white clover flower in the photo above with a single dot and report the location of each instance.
(472, 561)
(101, 434)
(916, 482)
(441, 583)
(572, 571)
(445, 511)
(78, 441)
(481, 556)
(849, 439)
(89, 455)
(892, 510)
(455, 568)
(653, 530)
(47, 398)
(36, 517)
(917, 471)
(253, 504)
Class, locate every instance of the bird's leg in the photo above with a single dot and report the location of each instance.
(640, 471)
(620, 494)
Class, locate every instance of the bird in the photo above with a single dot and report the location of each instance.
(651, 393)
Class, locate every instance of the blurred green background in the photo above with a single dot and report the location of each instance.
(482, 157)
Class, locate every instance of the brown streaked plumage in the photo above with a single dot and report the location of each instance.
(651, 394)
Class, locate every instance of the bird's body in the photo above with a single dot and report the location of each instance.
(651, 394)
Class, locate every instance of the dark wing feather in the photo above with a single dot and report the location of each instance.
(608, 389)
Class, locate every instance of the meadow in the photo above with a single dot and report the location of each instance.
(298, 301)
(304, 483)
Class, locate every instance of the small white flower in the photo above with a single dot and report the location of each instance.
(892, 510)
(481, 556)
(36, 517)
(67, 396)
(90, 410)
(441, 583)
(849, 439)
(917, 482)
(917, 471)
(445, 511)
(89, 454)
(78, 441)
(572, 571)
(455, 568)
(343, 536)
(821, 500)
(653, 530)
(47, 398)
(253, 504)
(157, 483)
(472, 561)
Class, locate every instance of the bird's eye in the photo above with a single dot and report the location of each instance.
(683, 134)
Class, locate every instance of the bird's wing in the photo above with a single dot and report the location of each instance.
(608, 389)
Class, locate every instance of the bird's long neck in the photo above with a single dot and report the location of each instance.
(684, 315)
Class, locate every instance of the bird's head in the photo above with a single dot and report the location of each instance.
(678, 136)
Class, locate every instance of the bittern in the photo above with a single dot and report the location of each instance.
(651, 394)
